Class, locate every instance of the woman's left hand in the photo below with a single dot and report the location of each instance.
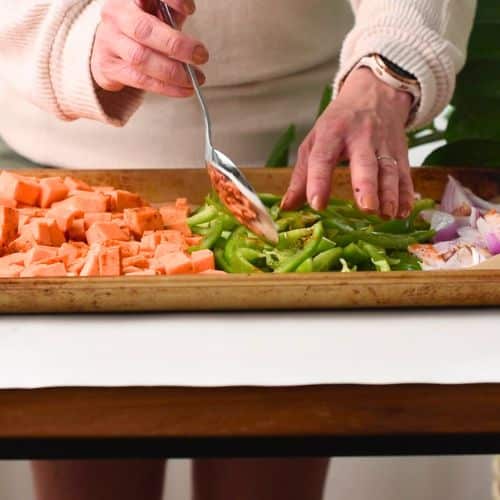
(365, 124)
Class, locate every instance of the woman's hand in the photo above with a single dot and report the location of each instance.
(365, 122)
(133, 48)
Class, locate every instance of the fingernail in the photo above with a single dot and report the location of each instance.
(316, 202)
(369, 202)
(189, 7)
(200, 55)
(389, 209)
(200, 77)
(284, 201)
(405, 212)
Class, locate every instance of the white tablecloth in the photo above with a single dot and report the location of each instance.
(368, 347)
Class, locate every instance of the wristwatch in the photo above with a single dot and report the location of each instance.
(392, 75)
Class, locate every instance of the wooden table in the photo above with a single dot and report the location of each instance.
(185, 422)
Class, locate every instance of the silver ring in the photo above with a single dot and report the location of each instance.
(387, 158)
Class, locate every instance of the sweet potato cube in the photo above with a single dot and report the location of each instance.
(92, 217)
(91, 265)
(193, 241)
(172, 236)
(87, 202)
(120, 200)
(39, 253)
(9, 221)
(77, 266)
(109, 261)
(56, 235)
(213, 272)
(142, 219)
(166, 248)
(105, 231)
(131, 269)
(103, 189)
(77, 230)
(13, 258)
(64, 217)
(136, 261)
(7, 202)
(52, 189)
(203, 260)
(176, 263)
(143, 272)
(69, 253)
(173, 215)
(76, 184)
(39, 230)
(12, 271)
(150, 240)
(44, 270)
(20, 188)
(22, 243)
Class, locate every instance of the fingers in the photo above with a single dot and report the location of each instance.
(406, 189)
(388, 183)
(130, 76)
(154, 64)
(147, 30)
(364, 175)
(296, 193)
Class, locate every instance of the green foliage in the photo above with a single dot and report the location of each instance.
(473, 131)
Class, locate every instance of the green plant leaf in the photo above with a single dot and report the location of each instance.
(473, 153)
(326, 99)
(279, 156)
(480, 120)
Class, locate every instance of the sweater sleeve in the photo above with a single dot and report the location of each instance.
(427, 38)
(45, 51)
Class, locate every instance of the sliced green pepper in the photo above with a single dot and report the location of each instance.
(206, 214)
(325, 244)
(308, 251)
(269, 199)
(211, 237)
(392, 241)
(325, 261)
(241, 261)
(354, 254)
(420, 205)
(292, 238)
(306, 266)
(377, 256)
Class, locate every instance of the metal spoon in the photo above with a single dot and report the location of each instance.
(233, 188)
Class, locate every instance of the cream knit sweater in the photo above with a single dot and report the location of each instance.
(269, 63)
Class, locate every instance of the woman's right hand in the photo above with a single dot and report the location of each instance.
(134, 48)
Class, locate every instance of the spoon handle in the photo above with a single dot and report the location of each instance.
(168, 18)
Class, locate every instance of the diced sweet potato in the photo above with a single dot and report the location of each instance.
(193, 241)
(92, 217)
(166, 248)
(12, 271)
(172, 236)
(143, 272)
(136, 261)
(176, 263)
(131, 269)
(45, 231)
(87, 202)
(65, 217)
(142, 219)
(77, 230)
(91, 265)
(109, 261)
(203, 260)
(44, 270)
(213, 272)
(120, 200)
(39, 253)
(105, 231)
(52, 189)
(9, 221)
(13, 258)
(74, 184)
(56, 235)
(7, 202)
(20, 188)
(173, 215)
(22, 243)
(156, 266)
(150, 240)
(69, 253)
(77, 266)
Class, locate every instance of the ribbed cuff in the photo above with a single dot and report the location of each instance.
(422, 56)
(73, 85)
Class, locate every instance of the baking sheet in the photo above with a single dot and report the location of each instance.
(266, 349)
(240, 292)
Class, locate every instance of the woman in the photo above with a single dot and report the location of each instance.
(71, 69)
